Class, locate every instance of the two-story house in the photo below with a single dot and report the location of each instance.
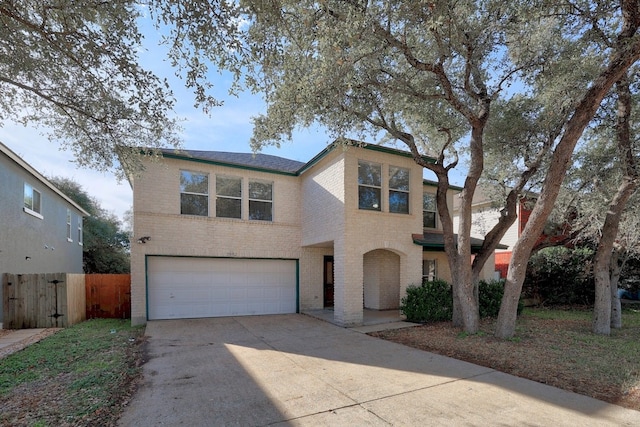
(226, 234)
(41, 228)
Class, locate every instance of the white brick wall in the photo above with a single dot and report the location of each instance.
(156, 206)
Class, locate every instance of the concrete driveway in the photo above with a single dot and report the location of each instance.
(300, 371)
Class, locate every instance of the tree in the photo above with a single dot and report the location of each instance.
(105, 247)
(428, 74)
(599, 192)
(72, 66)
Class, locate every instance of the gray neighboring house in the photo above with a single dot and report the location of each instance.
(40, 227)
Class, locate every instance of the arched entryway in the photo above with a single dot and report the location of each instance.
(381, 280)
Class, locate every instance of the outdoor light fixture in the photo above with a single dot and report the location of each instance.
(144, 239)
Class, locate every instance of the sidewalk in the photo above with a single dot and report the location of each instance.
(12, 340)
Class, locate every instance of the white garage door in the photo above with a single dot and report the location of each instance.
(213, 287)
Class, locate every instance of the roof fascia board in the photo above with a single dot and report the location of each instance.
(317, 158)
(435, 184)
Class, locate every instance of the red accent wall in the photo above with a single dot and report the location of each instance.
(502, 263)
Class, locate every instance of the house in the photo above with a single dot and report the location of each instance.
(41, 229)
(222, 234)
(485, 214)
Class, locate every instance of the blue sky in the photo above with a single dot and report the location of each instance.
(226, 128)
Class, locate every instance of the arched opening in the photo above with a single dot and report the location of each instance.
(381, 280)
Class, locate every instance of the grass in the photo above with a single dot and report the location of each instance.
(79, 376)
(552, 346)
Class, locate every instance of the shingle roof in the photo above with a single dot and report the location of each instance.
(259, 161)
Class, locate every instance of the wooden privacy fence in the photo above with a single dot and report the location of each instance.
(51, 300)
(108, 296)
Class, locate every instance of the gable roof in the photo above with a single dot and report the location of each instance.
(37, 175)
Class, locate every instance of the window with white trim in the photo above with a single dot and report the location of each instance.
(369, 186)
(194, 193)
(429, 211)
(398, 190)
(228, 197)
(80, 230)
(32, 201)
(261, 200)
(69, 225)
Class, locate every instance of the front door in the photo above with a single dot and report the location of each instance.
(328, 281)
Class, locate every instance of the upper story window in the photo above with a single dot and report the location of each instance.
(69, 225)
(398, 190)
(194, 193)
(80, 230)
(261, 200)
(429, 210)
(32, 201)
(228, 197)
(369, 186)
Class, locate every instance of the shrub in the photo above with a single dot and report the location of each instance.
(430, 302)
(433, 301)
(490, 296)
(561, 276)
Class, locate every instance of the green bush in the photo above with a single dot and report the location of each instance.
(561, 276)
(430, 302)
(490, 296)
(433, 301)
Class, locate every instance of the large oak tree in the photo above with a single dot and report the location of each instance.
(430, 75)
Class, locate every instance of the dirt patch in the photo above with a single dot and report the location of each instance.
(559, 353)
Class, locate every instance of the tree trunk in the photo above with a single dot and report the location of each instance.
(603, 305)
(458, 251)
(465, 307)
(607, 301)
(616, 308)
(626, 53)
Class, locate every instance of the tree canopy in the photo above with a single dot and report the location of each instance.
(447, 79)
(72, 66)
(437, 76)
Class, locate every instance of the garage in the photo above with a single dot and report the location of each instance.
(192, 287)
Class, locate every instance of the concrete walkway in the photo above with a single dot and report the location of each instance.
(299, 371)
(14, 339)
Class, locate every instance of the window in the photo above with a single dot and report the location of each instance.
(428, 210)
(228, 197)
(261, 200)
(80, 230)
(398, 190)
(194, 193)
(369, 186)
(32, 200)
(69, 226)
(429, 269)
